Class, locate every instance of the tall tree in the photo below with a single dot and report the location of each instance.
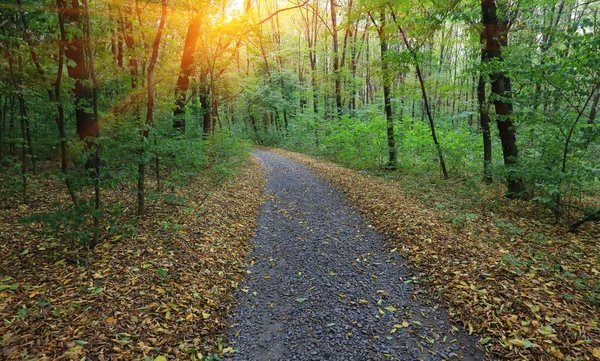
(78, 68)
(415, 59)
(187, 65)
(336, 59)
(495, 33)
(387, 84)
(141, 191)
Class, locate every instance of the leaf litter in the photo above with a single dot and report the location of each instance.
(162, 293)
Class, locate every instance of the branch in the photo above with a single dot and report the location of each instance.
(282, 10)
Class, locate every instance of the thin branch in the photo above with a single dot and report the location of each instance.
(281, 10)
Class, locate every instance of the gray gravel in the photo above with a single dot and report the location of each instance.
(322, 285)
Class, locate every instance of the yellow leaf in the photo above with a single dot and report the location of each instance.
(110, 320)
(596, 353)
(189, 317)
(228, 350)
(556, 353)
(205, 315)
(160, 358)
(33, 294)
(363, 302)
(517, 342)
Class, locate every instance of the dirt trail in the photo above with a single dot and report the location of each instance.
(323, 285)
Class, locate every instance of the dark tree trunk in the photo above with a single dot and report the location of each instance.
(484, 121)
(187, 65)
(387, 101)
(426, 108)
(205, 104)
(78, 70)
(336, 61)
(141, 206)
(23, 123)
(495, 35)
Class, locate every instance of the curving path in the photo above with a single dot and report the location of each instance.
(323, 286)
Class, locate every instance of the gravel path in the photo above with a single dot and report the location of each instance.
(322, 285)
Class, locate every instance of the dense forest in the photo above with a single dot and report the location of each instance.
(113, 91)
(121, 117)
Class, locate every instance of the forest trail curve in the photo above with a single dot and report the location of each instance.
(323, 286)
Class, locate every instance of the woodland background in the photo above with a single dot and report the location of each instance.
(115, 113)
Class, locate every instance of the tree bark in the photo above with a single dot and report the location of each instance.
(495, 35)
(23, 120)
(78, 70)
(141, 209)
(484, 121)
(187, 65)
(336, 61)
(427, 109)
(387, 101)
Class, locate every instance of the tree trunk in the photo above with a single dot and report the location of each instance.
(23, 121)
(484, 121)
(205, 104)
(187, 65)
(336, 61)
(387, 101)
(78, 70)
(60, 119)
(426, 107)
(495, 35)
(141, 206)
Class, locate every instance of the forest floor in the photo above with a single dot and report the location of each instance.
(420, 254)
(161, 293)
(529, 288)
(322, 285)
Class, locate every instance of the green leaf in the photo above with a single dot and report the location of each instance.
(484, 341)
(81, 342)
(9, 287)
(300, 300)
(160, 358)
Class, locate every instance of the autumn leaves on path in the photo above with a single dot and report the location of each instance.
(323, 286)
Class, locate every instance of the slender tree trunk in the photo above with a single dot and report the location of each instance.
(353, 60)
(141, 206)
(387, 101)
(495, 34)
(336, 61)
(94, 159)
(426, 107)
(368, 95)
(484, 121)
(22, 121)
(60, 119)
(205, 104)
(187, 65)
